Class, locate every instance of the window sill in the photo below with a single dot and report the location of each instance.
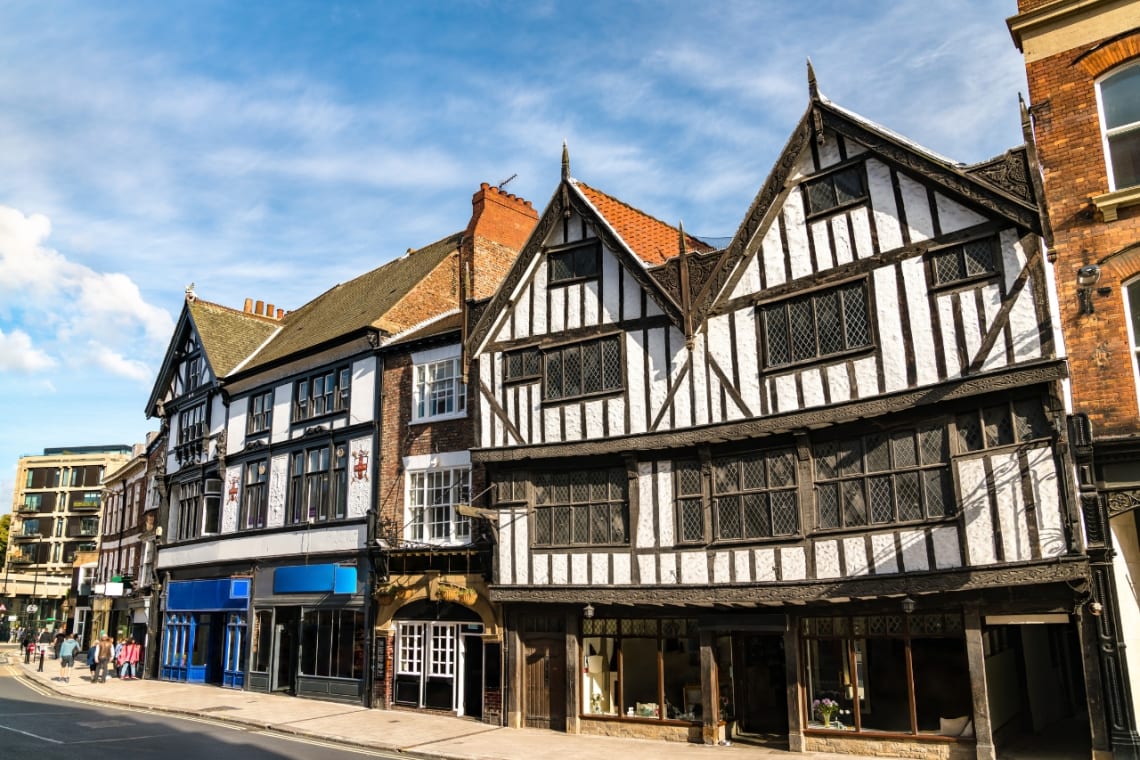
(613, 392)
(1110, 203)
(438, 418)
(819, 361)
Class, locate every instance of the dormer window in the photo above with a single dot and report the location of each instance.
(580, 261)
(1119, 97)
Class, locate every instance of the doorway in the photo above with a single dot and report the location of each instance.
(762, 693)
(473, 676)
(285, 652)
(544, 684)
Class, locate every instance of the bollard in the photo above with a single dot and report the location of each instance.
(40, 669)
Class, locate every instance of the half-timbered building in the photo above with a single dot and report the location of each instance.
(810, 486)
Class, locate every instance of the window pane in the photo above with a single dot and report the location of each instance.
(554, 375)
(848, 185)
(854, 503)
(1125, 151)
(882, 501)
(909, 496)
(830, 326)
(1120, 94)
(639, 677)
(572, 371)
(979, 256)
(784, 513)
(827, 502)
(855, 316)
(803, 330)
(947, 266)
(821, 194)
(592, 367)
(728, 516)
(941, 681)
(611, 364)
(756, 520)
(885, 703)
(776, 334)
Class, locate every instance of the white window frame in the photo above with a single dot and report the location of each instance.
(1105, 133)
(410, 648)
(1133, 338)
(427, 388)
(420, 471)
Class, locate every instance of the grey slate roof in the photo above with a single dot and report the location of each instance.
(228, 336)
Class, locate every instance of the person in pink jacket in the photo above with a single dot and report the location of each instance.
(128, 661)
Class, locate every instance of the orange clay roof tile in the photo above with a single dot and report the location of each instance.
(652, 240)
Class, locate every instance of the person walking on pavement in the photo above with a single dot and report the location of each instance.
(103, 658)
(92, 658)
(67, 652)
(129, 660)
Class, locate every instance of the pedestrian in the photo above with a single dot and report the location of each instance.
(92, 659)
(129, 660)
(67, 652)
(103, 658)
(117, 658)
(56, 643)
(44, 641)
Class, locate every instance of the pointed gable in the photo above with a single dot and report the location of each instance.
(650, 239)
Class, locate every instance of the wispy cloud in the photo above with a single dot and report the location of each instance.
(18, 355)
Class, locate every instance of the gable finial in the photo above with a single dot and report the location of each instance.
(686, 285)
(681, 237)
(565, 161)
(813, 88)
(1026, 123)
(190, 294)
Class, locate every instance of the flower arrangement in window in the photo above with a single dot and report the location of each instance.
(825, 708)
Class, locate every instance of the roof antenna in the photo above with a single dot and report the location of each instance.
(508, 179)
(565, 161)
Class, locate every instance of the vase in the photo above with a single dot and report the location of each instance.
(827, 721)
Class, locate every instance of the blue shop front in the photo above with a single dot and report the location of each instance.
(309, 633)
(204, 639)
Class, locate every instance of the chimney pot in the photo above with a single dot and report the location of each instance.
(269, 310)
(280, 313)
(248, 306)
(259, 307)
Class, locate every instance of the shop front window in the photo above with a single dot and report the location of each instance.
(641, 668)
(330, 640)
(872, 674)
(262, 641)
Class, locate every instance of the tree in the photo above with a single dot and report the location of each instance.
(5, 524)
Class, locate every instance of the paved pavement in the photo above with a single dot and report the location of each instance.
(418, 735)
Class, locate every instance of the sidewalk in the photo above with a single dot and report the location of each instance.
(414, 734)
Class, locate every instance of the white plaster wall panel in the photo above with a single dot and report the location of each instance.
(841, 234)
(507, 402)
(559, 569)
(976, 512)
(230, 502)
(236, 424)
(773, 252)
(804, 166)
(765, 564)
(359, 485)
(682, 407)
(1023, 316)
(522, 548)
(520, 398)
(812, 382)
(522, 314)
(552, 424)
(694, 568)
(595, 418)
(700, 372)
(1046, 499)
(914, 556)
(953, 216)
(884, 556)
(786, 398)
(883, 203)
(503, 330)
(796, 231)
(921, 327)
(892, 347)
(557, 316)
(600, 569)
(635, 375)
(645, 535)
(991, 302)
(574, 306)
(615, 408)
(827, 559)
(664, 504)
(647, 569)
(579, 569)
(1012, 256)
(1011, 509)
(507, 547)
(536, 412)
(278, 484)
(722, 564)
(747, 357)
(828, 152)
(971, 332)
(658, 372)
(793, 563)
(821, 239)
(611, 289)
(622, 572)
(867, 376)
(572, 413)
(917, 207)
(855, 556)
(749, 281)
(540, 569)
(539, 318)
(838, 383)
(362, 395)
(949, 335)
(742, 565)
(591, 304)
(947, 553)
(667, 571)
(486, 418)
(652, 309)
(554, 237)
(632, 291)
(861, 224)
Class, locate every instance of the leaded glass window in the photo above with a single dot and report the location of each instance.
(690, 505)
(583, 369)
(1003, 424)
(581, 507)
(577, 263)
(816, 326)
(883, 478)
(754, 495)
(975, 258)
(836, 189)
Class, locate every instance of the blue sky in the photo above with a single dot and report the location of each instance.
(272, 149)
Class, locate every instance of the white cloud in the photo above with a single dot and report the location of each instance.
(117, 364)
(17, 354)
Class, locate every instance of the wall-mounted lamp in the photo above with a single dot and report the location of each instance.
(1087, 278)
(1096, 609)
(908, 605)
(588, 611)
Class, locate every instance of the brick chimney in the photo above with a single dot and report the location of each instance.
(500, 225)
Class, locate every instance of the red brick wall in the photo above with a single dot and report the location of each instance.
(1067, 133)
(500, 225)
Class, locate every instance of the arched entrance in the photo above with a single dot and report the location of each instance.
(439, 657)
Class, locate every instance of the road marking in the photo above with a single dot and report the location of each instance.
(390, 755)
(28, 733)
